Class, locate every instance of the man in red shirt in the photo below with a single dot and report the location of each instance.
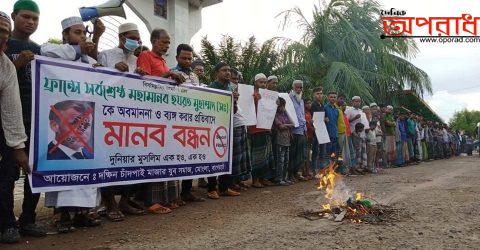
(152, 62)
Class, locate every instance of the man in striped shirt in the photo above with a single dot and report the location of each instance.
(12, 137)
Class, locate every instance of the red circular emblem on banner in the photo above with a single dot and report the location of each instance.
(220, 141)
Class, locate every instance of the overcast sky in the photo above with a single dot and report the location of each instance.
(453, 68)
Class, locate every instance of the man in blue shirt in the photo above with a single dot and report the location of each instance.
(298, 149)
(331, 115)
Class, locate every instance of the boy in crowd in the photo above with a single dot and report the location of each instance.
(371, 146)
(283, 134)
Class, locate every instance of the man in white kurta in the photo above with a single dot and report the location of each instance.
(75, 48)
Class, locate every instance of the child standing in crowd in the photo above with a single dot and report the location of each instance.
(371, 146)
(307, 171)
(358, 140)
(282, 137)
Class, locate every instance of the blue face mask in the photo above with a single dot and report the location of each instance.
(131, 45)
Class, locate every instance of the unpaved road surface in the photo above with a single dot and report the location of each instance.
(441, 197)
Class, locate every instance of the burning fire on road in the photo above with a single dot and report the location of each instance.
(342, 204)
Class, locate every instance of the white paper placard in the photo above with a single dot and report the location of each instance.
(292, 115)
(320, 127)
(267, 108)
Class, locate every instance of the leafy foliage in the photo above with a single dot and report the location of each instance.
(465, 120)
(341, 50)
(249, 57)
(55, 41)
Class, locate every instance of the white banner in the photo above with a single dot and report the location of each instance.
(247, 104)
(99, 127)
(320, 127)
(267, 108)
(292, 115)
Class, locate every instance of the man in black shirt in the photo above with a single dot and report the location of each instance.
(318, 150)
(21, 51)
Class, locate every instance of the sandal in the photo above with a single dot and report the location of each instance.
(180, 202)
(114, 216)
(136, 204)
(130, 210)
(64, 227)
(83, 220)
(172, 205)
(158, 209)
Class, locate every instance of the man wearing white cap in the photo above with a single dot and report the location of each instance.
(261, 141)
(368, 112)
(272, 83)
(75, 47)
(12, 137)
(354, 113)
(122, 57)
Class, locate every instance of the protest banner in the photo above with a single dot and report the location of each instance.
(320, 127)
(96, 127)
(246, 104)
(267, 108)
(292, 115)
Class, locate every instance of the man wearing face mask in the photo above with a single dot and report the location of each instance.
(122, 57)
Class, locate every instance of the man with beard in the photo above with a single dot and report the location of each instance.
(21, 50)
(261, 150)
(298, 148)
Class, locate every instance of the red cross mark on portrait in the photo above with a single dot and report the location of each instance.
(72, 129)
(220, 139)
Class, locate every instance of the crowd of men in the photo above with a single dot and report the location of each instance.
(368, 138)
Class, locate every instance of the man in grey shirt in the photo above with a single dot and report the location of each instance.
(12, 137)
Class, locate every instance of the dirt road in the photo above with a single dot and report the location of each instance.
(442, 198)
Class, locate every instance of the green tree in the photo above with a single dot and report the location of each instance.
(55, 41)
(341, 50)
(249, 57)
(465, 120)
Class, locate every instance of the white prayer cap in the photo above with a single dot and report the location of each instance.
(297, 82)
(69, 22)
(365, 107)
(373, 104)
(4, 16)
(260, 76)
(356, 98)
(127, 27)
(272, 78)
(390, 107)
